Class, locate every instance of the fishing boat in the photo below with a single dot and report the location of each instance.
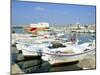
(32, 49)
(68, 54)
(16, 37)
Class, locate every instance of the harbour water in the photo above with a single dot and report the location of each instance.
(37, 65)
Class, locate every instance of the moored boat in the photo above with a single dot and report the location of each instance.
(68, 54)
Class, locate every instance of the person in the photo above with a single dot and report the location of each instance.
(73, 38)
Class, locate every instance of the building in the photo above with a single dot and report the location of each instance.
(34, 28)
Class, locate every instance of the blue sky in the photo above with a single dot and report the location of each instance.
(34, 12)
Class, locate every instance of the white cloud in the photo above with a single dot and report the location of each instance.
(39, 8)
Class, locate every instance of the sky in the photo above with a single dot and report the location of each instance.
(23, 13)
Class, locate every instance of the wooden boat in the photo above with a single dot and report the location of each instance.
(68, 54)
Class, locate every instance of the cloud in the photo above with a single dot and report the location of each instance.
(39, 8)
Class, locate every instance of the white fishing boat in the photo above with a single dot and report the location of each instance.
(32, 49)
(68, 54)
(16, 36)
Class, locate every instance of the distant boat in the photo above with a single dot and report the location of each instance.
(16, 36)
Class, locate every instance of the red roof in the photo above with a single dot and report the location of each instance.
(33, 29)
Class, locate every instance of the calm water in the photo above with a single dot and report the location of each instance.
(31, 65)
(18, 30)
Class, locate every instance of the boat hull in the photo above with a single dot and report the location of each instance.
(56, 58)
(31, 53)
(28, 52)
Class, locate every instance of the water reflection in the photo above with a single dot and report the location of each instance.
(35, 65)
(39, 66)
